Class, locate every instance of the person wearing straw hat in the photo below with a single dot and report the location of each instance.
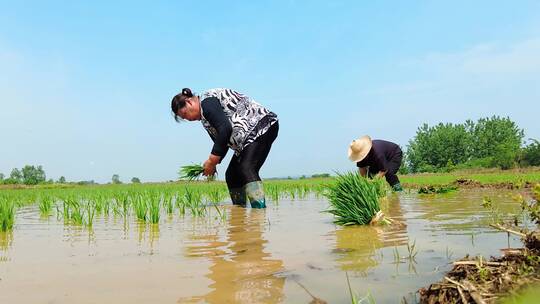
(377, 158)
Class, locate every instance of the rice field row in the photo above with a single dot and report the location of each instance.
(147, 202)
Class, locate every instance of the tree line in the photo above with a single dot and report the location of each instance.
(493, 142)
(34, 175)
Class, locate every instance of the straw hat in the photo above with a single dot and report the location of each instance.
(359, 148)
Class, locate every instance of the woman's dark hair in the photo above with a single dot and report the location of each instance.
(179, 101)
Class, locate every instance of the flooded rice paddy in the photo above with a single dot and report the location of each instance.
(248, 256)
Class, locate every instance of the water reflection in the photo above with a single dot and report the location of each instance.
(147, 233)
(241, 272)
(76, 233)
(462, 214)
(6, 238)
(356, 246)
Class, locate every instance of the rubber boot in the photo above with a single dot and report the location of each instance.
(397, 187)
(238, 196)
(255, 194)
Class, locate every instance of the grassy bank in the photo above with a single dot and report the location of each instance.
(518, 178)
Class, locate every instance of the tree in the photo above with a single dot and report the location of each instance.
(135, 180)
(490, 142)
(15, 177)
(321, 175)
(116, 179)
(88, 182)
(33, 175)
(404, 168)
(530, 155)
(436, 147)
(1, 177)
(498, 139)
(62, 180)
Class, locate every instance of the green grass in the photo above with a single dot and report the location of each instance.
(528, 295)
(516, 177)
(431, 189)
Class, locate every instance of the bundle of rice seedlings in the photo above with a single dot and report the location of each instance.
(354, 200)
(191, 172)
(195, 171)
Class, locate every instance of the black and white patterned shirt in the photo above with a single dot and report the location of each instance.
(248, 119)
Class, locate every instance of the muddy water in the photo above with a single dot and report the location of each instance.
(251, 256)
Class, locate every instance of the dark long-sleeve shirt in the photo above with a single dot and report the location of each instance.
(214, 114)
(378, 158)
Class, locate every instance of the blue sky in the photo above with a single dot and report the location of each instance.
(85, 87)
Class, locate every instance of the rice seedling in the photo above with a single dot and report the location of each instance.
(273, 192)
(180, 204)
(194, 202)
(197, 209)
(101, 202)
(292, 193)
(215, 195)
(90, 208)
(153, 208)
(355, 200)
(191, 172)
(368, 298)
(354, 300)
(189, 195)
(140, 206)
(122, 199)
(45, 205)
(168, 203)
(73, 211)
(105, 203)
(412, 251)
(221, 214)
(7, 214)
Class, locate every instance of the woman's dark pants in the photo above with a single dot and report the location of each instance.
(243, 169)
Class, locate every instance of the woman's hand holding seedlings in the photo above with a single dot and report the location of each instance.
(210, 164)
